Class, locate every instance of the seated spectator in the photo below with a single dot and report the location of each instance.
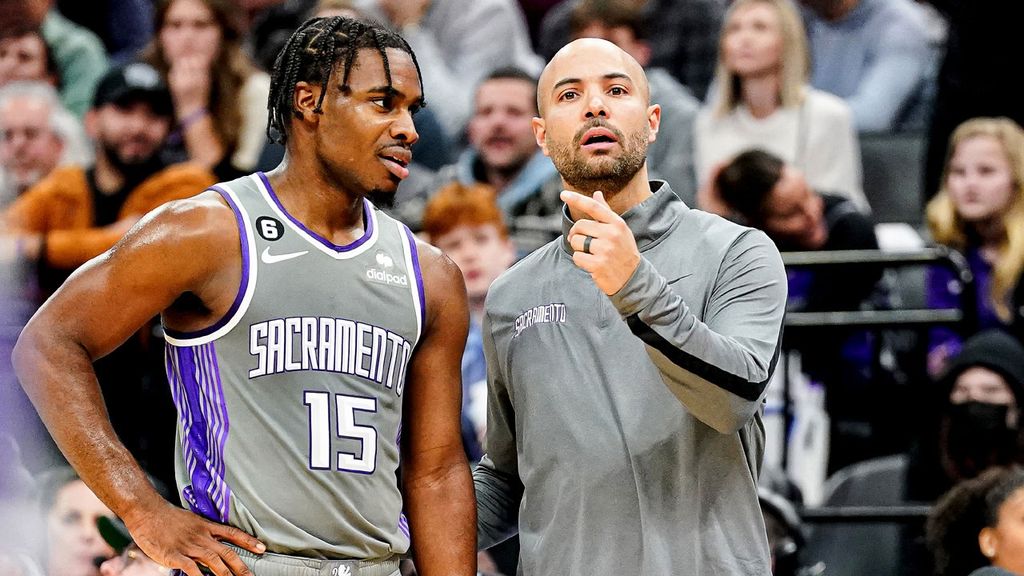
(24, 56)
(979, 211)
(768, 194)
(975, 528)
(503, 154)
(683, 35)
(220, 97)
(36, 134)
(465, 222)
(876, 55)
(969, 420)
(73, 543)
(456, 43)
(762, 101)
(79, 54)
(670, 157)
(74, 214)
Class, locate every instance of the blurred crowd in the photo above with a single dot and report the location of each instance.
(783, 115)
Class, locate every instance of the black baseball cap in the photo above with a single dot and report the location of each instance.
(134, 82)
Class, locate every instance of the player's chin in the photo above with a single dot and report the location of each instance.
(382, 196)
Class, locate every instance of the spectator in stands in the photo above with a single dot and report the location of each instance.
(973, 79)
(75, 214)
(978, 524)
(763, 101)
(73, 543)
(503, 154)
(766, 193)
(980, 211)
(969, 420)
(670, 157)
(466, 223)
(36, 134)
(220, 97)
(683, 35)
(877, 55)
(79, 54)
(25, 56)
(456, 43)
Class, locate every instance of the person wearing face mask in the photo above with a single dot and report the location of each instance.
(976, 424)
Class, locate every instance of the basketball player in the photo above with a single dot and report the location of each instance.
(310, 340)
(627, 360)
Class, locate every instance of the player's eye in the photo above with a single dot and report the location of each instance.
(384, 102)
(617, 91)
(568, 95)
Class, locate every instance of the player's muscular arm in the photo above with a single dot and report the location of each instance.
(438, 487)
(180, 248)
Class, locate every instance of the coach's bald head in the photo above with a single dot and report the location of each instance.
(588, 58)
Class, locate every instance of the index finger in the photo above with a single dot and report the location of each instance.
(596, 210)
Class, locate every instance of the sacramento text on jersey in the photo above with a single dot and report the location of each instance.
(329, 345)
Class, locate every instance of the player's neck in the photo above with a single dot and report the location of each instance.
(320, 205)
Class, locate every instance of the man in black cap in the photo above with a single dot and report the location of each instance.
(77, 213)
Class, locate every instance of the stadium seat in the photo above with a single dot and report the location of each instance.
(861, 548)
(893, 166)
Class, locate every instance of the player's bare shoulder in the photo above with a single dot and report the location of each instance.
(443, 284)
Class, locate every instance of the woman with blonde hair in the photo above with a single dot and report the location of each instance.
(220, 97)
(979, 211)
(761, 100)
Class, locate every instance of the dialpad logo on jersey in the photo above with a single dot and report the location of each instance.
(543, 314)
(329, 345)
(383, 272)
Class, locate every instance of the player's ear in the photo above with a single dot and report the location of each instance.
(540, 133)
(306, 96)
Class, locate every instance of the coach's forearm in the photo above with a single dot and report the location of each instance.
(442, 519)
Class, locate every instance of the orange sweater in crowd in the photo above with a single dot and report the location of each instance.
(60, 206)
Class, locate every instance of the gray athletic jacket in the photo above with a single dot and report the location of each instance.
(624, 434)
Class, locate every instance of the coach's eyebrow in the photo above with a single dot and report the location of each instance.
(563, 82)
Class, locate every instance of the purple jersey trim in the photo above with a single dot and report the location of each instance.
(198, 394)
(243, 237)
(419, 276)
(367, 218)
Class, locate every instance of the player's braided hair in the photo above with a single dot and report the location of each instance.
(311, 54)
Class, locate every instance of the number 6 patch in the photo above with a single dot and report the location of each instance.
(269, 228)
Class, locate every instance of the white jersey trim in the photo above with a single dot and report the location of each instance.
(249, 279)
(316, 242)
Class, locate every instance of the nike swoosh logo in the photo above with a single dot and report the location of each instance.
(269, 258)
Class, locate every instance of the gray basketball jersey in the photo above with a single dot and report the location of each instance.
(290, 406)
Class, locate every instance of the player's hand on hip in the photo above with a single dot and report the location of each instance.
(180, 539)
(602, 243)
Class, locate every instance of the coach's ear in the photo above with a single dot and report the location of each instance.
(540, 134)
(306, 97)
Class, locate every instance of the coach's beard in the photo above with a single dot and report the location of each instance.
(609, 174)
